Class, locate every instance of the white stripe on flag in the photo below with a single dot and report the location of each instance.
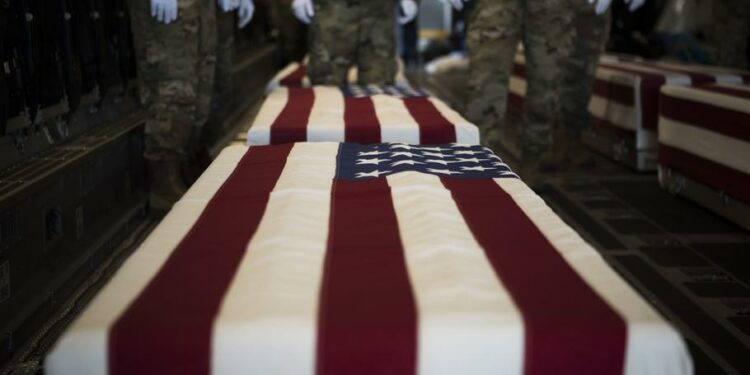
(464, 311)
(326, 122)
(719, 148)
(396, 123)
(260, 131)
(268, 320)
(652, 343)
(466, 133)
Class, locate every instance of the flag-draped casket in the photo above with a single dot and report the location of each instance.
(361, 114)
(387, 258)
(704, 137)
(624, 107)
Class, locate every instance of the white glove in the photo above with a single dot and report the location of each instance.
(409, 8)
(457, 4)
(228, 5)
(601, 5)
(164, 10)
(246, 11)
(634, 5)
(303, 10)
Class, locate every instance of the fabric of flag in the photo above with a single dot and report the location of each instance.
(704, 135)
(311, 258)
(359, 114)
(626, 92)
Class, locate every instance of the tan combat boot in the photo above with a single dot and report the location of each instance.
(167, 185)
(534, 170)
(573, 153)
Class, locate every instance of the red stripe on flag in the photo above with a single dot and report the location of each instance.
(368, 319)
(697, 78)
(707, 116)
(710, 173)
(651, 84)
(569, 329)
(361, 121)
(434, 128)
(168, 328)
(291, 125)
(727, 90)
(295, 78)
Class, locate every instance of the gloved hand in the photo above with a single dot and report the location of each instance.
(601, 5)
(634, 5)
(457, 4)
(303, 10)
(228, 5)
(409, 8)
(246, 11)
(164, 10)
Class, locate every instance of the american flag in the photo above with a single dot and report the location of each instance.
(360, 114)
(327, 258)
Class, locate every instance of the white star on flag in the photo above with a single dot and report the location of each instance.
(434, 149)
(375, 161)
(472, 160)
(406, 162)
(372, 153)
(467, 152)
(446, 172)
(443, 162)
(434, 154)
(406, 154)
(403, 147)
(478, 168)
(375, 173)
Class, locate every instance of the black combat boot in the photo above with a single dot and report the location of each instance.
(167, 185)
(535, 169)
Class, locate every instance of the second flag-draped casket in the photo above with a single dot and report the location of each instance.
(624, 106)
(704, 136)
(361, 114)
(387, 258)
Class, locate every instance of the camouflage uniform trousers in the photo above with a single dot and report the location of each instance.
(292, 32)
(176, 64)
(495, 28)
(346, 33)
(730, 32)
(591, 36)
(222, 92)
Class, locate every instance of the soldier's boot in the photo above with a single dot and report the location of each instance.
(534, 169)
(167, 185)
(573, 153)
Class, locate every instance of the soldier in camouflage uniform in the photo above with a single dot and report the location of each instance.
(292, 33)
(579, 72)
(729, 32)
(495, 29)
(176, 64)
(346, 33)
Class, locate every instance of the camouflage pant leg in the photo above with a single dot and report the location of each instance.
(591, 35)
(292, 32)
(376, 49)
(168, 65)
(731, 29)
(207, 49)
(333, 41)
(547, 38)
(492, 38)
(224, 59)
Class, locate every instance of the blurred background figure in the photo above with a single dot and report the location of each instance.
(292, 34)
(729, 32)
(591, 27)
(347, 33)
(496, 27)
(176, 48)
